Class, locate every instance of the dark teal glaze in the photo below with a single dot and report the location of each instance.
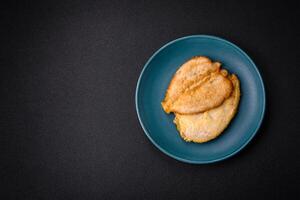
(155, 79)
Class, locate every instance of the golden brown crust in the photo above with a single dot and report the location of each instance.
(209, 94)
(206, 126)
(191, 73)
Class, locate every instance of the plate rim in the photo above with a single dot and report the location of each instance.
(190, 161)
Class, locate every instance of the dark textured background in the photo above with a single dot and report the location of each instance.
(69, 129)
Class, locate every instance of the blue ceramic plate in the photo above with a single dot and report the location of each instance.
(158, 125)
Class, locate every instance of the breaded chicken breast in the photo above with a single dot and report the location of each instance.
(191, 74)
(210, 93)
